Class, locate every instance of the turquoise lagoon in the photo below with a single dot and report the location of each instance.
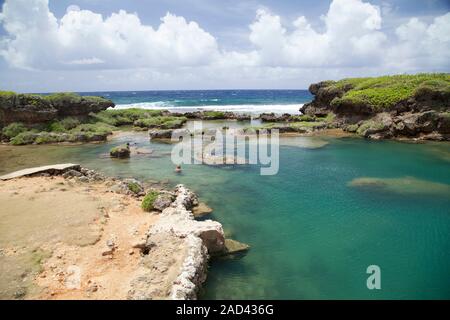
(312, 233)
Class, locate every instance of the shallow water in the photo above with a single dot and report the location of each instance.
(312, 234)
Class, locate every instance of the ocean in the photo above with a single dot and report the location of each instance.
(244, 101)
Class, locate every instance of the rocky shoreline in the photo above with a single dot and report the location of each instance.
(424, 114)
(175, 233)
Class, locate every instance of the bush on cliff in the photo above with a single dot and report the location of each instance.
(63, 98)
(149, 199)
(69, 98)
(385, 92)
(13, 130)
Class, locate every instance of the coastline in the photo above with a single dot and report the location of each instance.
(163, 255)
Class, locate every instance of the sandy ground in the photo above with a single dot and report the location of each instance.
(54, 237)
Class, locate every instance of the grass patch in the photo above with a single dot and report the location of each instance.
(125, 116)
(134, 187)
(214, 114)
(94, 128)
(149, 199)
(387, 91)
(163, 122)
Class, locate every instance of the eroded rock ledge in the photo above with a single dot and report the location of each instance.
(200, 239)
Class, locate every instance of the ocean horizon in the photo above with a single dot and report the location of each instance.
(241, 101)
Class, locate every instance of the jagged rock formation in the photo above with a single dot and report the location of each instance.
(176, 225)
(33, 109)
(387, 107)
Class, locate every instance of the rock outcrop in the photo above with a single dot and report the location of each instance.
(215, 115)
(200, 238)
(122, 151)
(34, 109)
(424, 114)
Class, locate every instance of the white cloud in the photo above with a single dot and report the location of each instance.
(38, 40)
(350, 42)
(351, 37)
(421, 45)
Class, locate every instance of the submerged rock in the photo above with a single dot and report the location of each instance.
(233, 246)
(303, 142)
(201, 210)
(405, 185)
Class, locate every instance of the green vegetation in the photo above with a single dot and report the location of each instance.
(369, 124)
(6, 94)
(95, 128)
(149, 199)
(125, 116)
(134, 187)
(69, 123)
(122, 151)
(214, 114)
(38, 257)
(26, 137)
(13, 130)
(387, 91)
(163, 122)
(305, 124)
(67, 98)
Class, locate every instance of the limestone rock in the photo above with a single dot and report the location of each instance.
(163, 201)
(233, 246)
(201, 210)
(122, 151)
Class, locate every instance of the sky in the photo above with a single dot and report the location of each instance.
(100, 45)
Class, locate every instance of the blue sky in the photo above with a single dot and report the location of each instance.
(205, 44)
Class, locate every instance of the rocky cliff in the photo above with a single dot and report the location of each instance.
(416, 106)
(33, 109)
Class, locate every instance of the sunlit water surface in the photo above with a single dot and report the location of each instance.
(312, 235)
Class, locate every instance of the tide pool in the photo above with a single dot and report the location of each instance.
(312, 233)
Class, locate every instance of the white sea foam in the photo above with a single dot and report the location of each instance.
(245, 108)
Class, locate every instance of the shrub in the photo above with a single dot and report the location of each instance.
(134, 187)
(69, 123)
(62, 98)
(13, 130)
(94, 128)
(165, 122)
(214, 114)
(385, 92)
(149, 199)
(23, 138)
(173, 124)
(56, 126)
(125, 116)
